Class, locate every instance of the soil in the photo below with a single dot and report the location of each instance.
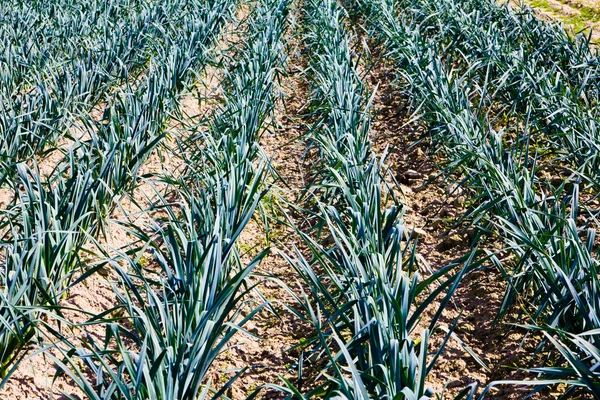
(275, 329)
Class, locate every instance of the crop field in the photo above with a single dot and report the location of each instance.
(299, 199)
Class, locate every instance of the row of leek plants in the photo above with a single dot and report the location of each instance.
(49, 222)
(366, 295)
(552, 270)
(182, 308)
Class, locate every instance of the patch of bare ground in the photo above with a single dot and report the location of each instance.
(433, 208)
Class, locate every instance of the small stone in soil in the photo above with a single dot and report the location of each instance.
(412, 174)
(416, 233)
(445, 212)
(450, 242)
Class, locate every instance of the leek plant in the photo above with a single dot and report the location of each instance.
(45, 231)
